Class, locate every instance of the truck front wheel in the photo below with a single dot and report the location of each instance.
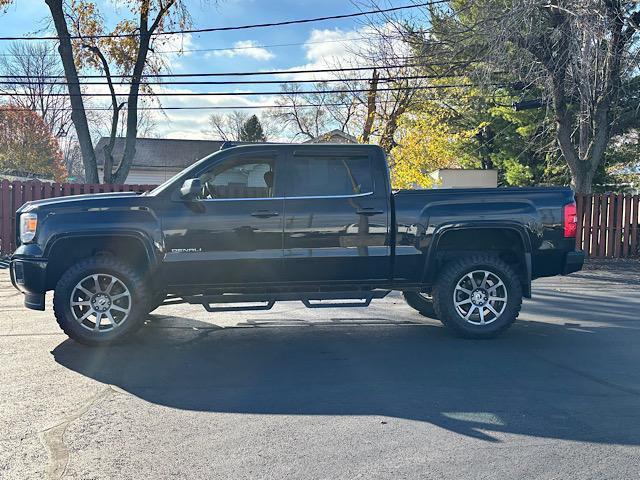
(477, 296)
(100, 300)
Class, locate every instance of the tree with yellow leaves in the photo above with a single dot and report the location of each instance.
(426, 143)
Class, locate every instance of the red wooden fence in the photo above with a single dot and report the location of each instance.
(14, 194)
(608, 225)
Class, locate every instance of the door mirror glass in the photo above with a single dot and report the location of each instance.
(191, 188)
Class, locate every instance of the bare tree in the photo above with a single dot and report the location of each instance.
(30, 82)
(368, 104)
(30, 70)
(129, 47)
(228, 126)
(311, 113)
(78, 114)
(130, 50)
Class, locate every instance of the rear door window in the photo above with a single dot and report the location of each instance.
(328, 176)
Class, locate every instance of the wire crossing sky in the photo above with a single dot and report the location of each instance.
(234, 50)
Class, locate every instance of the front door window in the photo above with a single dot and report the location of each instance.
(246, 179)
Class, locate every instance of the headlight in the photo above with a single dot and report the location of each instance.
(28, 225)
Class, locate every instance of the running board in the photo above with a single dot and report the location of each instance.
(267, 301)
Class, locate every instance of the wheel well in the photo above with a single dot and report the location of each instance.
(68, 251)
(505, 242)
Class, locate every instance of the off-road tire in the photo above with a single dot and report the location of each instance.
(443, 295)
(104, 265)
(421, 304)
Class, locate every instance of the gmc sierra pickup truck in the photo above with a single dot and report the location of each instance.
(251, 225)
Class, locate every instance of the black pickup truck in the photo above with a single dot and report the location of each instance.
(251, 225)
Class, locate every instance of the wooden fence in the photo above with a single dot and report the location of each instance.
(14, 194)
(608, 225)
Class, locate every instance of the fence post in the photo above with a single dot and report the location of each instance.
(635, 219)
(580, 219)
(626, 226)
(5, 217)
(617, 225)
(587, 205)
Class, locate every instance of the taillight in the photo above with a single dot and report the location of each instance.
(570, 219)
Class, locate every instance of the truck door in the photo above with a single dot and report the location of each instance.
(231, 233)
(336, 222)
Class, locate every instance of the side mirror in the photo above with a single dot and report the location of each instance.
(190, 188)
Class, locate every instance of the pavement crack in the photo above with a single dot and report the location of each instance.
(53, 437)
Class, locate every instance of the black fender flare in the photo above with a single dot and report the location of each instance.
(430, 263)
(152, 254)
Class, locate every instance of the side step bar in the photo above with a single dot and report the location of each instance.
(267, 301)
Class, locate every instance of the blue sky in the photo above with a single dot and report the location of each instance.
(322, 44)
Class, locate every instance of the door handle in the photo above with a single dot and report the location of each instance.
(369, 211)
(264, 214)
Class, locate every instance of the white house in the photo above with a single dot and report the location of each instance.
(464, 178)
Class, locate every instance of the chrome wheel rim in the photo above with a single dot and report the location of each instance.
(480, 297)
(100, 302)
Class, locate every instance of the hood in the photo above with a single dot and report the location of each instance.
(77, 200)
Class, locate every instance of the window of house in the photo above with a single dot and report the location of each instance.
(329, 176)
(245, 179)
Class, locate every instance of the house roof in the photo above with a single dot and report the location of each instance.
(335, 135)
(160, 152)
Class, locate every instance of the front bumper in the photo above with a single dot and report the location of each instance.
(573, 262)
(29, 276)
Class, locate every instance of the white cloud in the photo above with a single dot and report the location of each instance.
(336, 48)
(244, 48)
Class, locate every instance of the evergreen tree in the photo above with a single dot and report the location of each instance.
(252, 131)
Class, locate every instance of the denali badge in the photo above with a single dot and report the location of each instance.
(185, 250)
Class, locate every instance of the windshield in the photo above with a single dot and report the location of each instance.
(162, 187)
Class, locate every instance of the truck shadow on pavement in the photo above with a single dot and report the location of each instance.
(552, 380)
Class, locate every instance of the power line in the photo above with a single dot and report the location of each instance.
(239, 27)
(234, 94)
(227, 49)
(254, 107)
(269, 72)
(38, 83)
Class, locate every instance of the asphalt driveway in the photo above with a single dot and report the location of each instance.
(338, 393)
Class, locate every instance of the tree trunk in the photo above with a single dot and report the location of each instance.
(582, 181)
(132, 102)
(107, 167)
(371, 107)
(387, 140)
(78, 114)
(132, 111)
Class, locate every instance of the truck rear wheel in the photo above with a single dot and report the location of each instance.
(477, 296)
(422, 303)
(100, 300)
